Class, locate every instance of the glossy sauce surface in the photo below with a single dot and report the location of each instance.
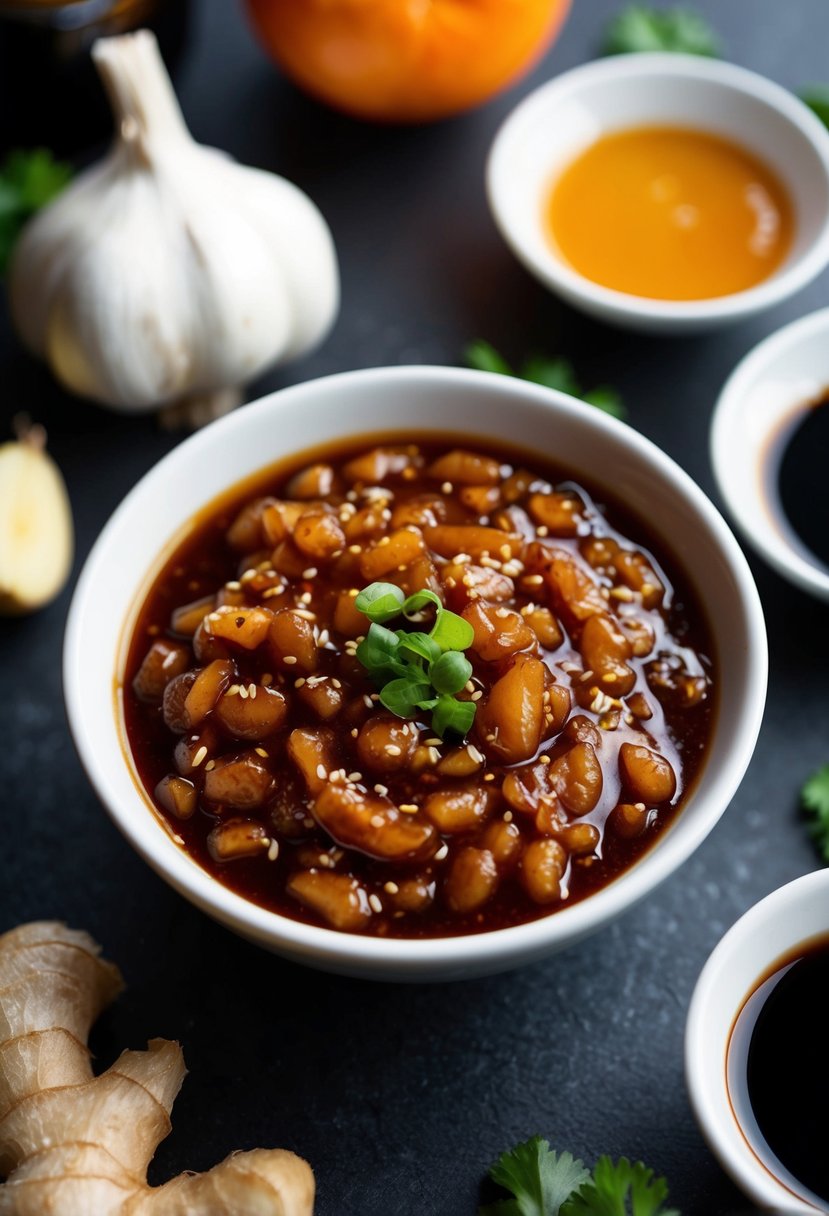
(778, 1072)
(540, 807)
(670, 214)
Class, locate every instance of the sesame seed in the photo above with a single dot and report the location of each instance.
(505, 551)
(544, 759)
(489, 776)
(354, 732)
(639, 806)
(476, 696)
(507, 816)
(354, 777)
(367, 701)
(306, 597)
(260, 751)
(435, 742)
(442, 853)
(355, 548)
(311, 572)
(211, 764)
(336, 684)
(622, 593)
(299, 683)
(273, 850)
(235, 585)
(447, 487)
(409, 808)
(391, 888)
(474, 754)
(252, 691)
(391, 749)
(243, 692)
(321, 772)
(382, 790)
(305, 614)
(271, 592)
(377, 821)
(290, 659)
(374, 901)
(232, 691)
(534, 580)
(267, 680)
(199, 756)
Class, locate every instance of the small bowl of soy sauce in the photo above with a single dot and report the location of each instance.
(757, 1075)
(770, 450)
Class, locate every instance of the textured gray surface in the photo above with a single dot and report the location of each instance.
(400, 1097)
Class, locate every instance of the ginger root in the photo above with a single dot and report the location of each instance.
(72, 1144)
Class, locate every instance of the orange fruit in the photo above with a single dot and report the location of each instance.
(406, 60)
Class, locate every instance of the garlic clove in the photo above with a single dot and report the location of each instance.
(36, 534)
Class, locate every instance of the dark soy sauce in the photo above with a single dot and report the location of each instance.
(798, 480)
(778, 1071)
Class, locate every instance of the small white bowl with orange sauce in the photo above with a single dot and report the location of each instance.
(664, 192)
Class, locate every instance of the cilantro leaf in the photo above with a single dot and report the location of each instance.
(816, 97)
(28, 181)
(622, 1189)
(556, 373)
(814, 797)
(539, 1179)
(642, 28)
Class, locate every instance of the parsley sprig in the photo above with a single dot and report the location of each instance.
(816, 97)
(543, 1182)
(640, 27)
(815, 799)
(554, 373)
(417, 672)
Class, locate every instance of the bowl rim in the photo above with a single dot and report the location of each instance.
(711, 1104)
(556, 274)
(731, 404)
(494, 949)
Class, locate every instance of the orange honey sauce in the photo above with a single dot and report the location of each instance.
(669, 213)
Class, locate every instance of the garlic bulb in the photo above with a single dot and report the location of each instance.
(36, 534)
(167, 273)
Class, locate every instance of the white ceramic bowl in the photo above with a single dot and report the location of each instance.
(767, 933)
(560, 119)
(765, 392)
(409, 399)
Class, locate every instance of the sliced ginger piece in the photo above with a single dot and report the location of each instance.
(74, 1144)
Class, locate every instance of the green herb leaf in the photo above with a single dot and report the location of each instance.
(420, 644)
(451, 714)
(642, 28)
(450, 672)
(540, 1180)
(485, 358)
(815, 799)
(28, 181)
(552, 373)
(816, 97)
(622, 1189)
(403, 696)
(380, 601)
(416, 670)
(452, 632)
(557, 374)
(415, 604)
(378, 652)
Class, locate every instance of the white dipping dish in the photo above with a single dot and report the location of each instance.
(558, 121)
(155, 514)
(769, 931)
(766, 391)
